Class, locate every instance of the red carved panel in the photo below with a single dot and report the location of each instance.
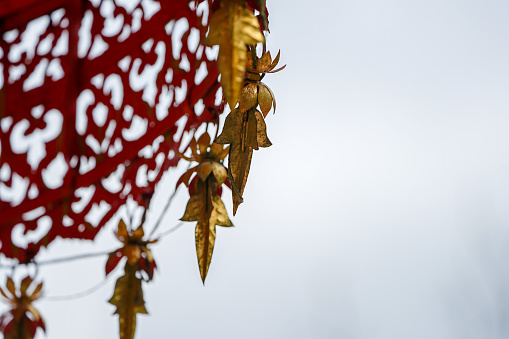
(94, 98)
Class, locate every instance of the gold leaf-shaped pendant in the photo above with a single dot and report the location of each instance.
(232, 27)
(207, 208)
(264, 98)
(245, 132)
(261, 131)
(248, 97)
(128, 298)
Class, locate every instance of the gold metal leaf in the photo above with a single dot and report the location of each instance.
(206, 207)
(205, 237)
(25, 283)
(194, 208)
(250, 140)
(231, 129)
(219, 215)
(275, 61)
(133, 253)
(22, 319)
(121, 230)
(223, 153)
(193, 146)
(204, 170)
(186, 176)
(264, 99)
(232, 27)
(219, 171)
(264, 63)
(182, 156)
(261, 131)
(248, 97)
(241, 153)
(34, 311)
(203, 143)
(138, 233)
(36, 294)
(216, 149)
(271, 94)
(128, 298)
(239, 163)
(245, 132)
(10, 286)
(205, 234)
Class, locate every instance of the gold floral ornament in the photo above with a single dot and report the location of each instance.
(232, 27)
(254, 91)
(244, 128)
(23, 319)
(134, 249)
(128, 293)
(205, 205)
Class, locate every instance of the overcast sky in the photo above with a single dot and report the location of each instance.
(380, 211)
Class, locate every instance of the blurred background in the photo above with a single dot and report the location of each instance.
(379, 212)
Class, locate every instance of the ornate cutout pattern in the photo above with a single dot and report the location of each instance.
(94, 98)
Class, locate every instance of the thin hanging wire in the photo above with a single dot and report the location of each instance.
(72, 258)
(78, 295)
(171, 230)
(166, 208)
(57, 260)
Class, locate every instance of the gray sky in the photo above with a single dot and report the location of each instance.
(379, 212)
